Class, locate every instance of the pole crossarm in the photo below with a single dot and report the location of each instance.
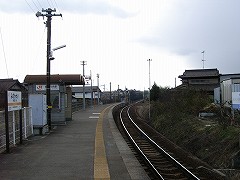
(48, 13)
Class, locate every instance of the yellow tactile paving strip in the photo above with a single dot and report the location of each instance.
(101, 170)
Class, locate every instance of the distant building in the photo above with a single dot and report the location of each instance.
(228, 76)
(228, 91)
(200, 79)
(77, 92)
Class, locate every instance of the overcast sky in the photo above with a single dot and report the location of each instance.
(116, 37)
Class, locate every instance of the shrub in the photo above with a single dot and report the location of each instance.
(174, 105)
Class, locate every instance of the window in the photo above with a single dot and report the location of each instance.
(55, 101)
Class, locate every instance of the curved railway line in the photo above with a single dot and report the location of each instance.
(157, 160)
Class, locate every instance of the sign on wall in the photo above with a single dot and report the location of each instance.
(14, 100)
(87, 80)
(53, 87)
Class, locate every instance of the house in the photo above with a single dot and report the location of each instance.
(200, 79)
(12, 85)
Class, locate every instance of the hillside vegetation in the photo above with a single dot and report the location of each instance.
(175, 114)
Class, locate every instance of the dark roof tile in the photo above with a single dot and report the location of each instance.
(200, 73)
(67, 79)
(10, 84)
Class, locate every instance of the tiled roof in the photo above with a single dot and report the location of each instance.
(67, 79)
(199, 73)
(9, 84)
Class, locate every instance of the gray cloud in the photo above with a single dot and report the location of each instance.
(193, 26)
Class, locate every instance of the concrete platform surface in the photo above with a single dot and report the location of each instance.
(88, 147)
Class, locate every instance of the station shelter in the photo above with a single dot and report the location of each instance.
(61, 93)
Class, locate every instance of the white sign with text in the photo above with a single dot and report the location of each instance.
(53, 87)
(14, 100)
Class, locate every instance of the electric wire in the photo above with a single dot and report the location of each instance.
(30, 6)
(4, 53)
(49, 3)
(39, 3)
(38, 53)
(52, 2)
(57, 6)
(36, 5)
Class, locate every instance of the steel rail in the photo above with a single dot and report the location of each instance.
(184, 169)
(162, 150)
(138, 148)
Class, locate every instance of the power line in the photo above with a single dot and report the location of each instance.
(35, 5)
(38, 53)
(57, 6)
(39, 3)
(4, 54)
(29, 6)
(50, 4)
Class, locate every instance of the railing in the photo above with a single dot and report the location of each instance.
(14, 127)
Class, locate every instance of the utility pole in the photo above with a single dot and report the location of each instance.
(149, 60)
(91, 89)
(203, 58)
(103, 87)
(83, 64)
(110, 96)
(143, 94)
(98, 87)
(48, 13)
(118, 94)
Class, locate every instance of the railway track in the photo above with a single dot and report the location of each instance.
(157, 161)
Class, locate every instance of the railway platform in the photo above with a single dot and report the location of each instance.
(88, 147)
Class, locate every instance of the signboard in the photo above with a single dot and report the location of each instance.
(87, 80)
(53, 87)
(14, 100)
(236, 100)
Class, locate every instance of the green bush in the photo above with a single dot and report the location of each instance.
(171, 106)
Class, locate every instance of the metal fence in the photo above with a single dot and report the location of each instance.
(14, 127)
